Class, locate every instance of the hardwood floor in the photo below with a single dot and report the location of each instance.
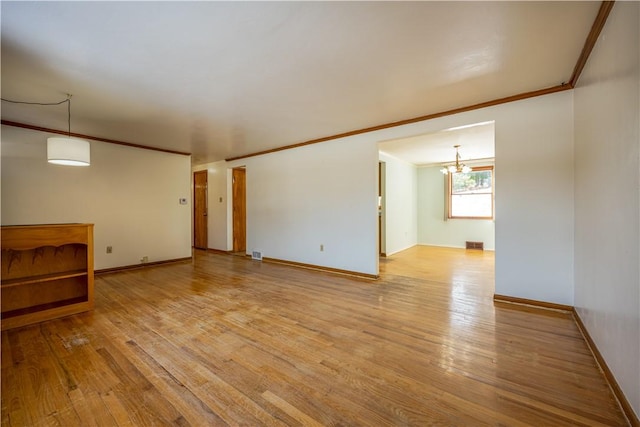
(230, 341)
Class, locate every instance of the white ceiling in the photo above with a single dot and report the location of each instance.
(222, 79)
(476, 141)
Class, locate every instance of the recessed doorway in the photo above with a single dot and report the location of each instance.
(239, 192)
(200, 210)
(416, 193)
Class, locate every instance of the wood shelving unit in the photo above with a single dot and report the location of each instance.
(47, 272)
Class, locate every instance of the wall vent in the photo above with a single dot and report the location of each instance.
(257, 255)
(475, 245)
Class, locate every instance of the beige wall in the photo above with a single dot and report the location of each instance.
(130, 194)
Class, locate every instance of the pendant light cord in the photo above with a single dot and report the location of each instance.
(68, 101)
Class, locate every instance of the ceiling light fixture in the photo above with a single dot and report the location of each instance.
(68, 151)
(458, 167)
(65, 151)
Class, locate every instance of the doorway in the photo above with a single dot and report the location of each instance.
(381, 210)
(239, 192)
(416, 192)
(200, 210)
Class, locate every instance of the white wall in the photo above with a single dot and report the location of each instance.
(432, 227)
(324, 194)
(534, 205)
(607, 185)
(130, 194)
(327, 194)
(401, 213)
(534, 201)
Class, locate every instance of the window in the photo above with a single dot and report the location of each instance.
(471, 194)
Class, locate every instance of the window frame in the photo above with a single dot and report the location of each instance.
(450, 194)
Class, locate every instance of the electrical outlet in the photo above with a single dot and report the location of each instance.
(109, 249)
(144, 259)
(321, 248)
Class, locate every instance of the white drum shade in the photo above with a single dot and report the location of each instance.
(68, 151)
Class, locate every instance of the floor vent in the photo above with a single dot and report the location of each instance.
(475, 245)
(256, 255)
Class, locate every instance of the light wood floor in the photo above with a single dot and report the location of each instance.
(231, 341)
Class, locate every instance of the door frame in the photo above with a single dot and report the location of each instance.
(382, 216)
(204, 234)
(239, 207)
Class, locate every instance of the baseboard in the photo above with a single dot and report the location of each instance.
(523, 302)
(451, 247)
(527, 304)
(627, 409)
(433, 245)
(321, 268)
(218, 251)
(137, 266)
(388, 254)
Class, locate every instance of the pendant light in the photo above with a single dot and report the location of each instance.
(68, 151)
(458, 167)
(65, 150)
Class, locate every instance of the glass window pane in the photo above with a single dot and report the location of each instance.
(477, 205)
(472, 182)
(472, 194)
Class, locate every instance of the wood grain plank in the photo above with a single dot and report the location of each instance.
(228, 341)
(298, 415)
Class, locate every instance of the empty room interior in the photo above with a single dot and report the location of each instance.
(320, 213)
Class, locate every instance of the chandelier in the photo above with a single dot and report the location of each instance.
(458, 167)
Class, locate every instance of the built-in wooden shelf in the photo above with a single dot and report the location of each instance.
(41, 279)
(44, 307)
(47, 272)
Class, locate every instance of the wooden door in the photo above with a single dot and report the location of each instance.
(239, 210)
(200, 210)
